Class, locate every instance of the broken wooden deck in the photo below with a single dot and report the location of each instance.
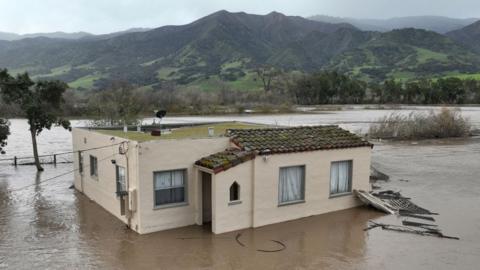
(375, 202)
(394, 203)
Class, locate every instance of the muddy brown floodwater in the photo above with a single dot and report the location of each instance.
(49, 226)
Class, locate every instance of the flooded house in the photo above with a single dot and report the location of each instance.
(230, 175)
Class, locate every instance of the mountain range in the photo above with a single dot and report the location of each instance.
(227, 47)
(63, 35)
(469, 36)
(12, 36)
(437, 24)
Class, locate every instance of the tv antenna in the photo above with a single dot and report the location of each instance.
(160, 114)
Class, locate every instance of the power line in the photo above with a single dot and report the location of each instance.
(69, 152)
(60, 175)
(53, 178)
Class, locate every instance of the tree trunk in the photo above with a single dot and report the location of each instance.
(35, 150)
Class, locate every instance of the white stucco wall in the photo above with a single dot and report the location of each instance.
(259, 194)
(317, 184)
(231, 217)
(163, 155)
(102, 189)
(258, 180)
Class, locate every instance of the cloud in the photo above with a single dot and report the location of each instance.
(103, 16)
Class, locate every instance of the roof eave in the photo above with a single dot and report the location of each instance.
(204, 169)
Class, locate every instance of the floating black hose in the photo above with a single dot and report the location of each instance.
(282, 245)
(274, 250)
(237, 238)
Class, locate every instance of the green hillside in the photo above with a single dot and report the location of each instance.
(224, 49)
(469, 36)
(406, 54)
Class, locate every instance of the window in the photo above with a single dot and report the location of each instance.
(341, 177)
(234, 192)
(80, 163)
(291, 185)
(169, 187)
(93, 166)
(121, 184)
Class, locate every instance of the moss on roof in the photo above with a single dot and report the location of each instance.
(296, 139)
(279, 140)
(200, 131)
(225, 160)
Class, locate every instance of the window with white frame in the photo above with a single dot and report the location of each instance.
(170, 187)
(341, 177)
(93, 166)
(291, 185)
(120, 179)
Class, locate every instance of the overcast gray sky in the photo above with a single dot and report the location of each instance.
(103, 16)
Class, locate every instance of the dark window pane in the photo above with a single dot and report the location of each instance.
(80, 162)
(166, 196)
(120, 172)
(178, 195)
(162, 197)
(234, 192)
(93, 166)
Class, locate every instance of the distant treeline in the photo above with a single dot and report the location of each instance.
(281, 91)
(334, 88)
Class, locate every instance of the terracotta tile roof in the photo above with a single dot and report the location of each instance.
(279, 140)
(295, 139)
(225, 160)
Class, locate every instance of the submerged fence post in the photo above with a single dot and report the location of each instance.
(15, 161)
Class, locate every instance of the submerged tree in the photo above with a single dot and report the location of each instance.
(4, 132)
(119, 104)
(40, 102)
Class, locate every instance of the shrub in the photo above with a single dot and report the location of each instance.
(444, 124)
(4, 132)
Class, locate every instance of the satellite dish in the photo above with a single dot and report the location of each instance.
(161, 113)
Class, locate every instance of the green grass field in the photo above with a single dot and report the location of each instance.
(149, 63)
(85, 82)
(423, 56)
(473, 76)
(402, 76)
(163, 73)
(55, 72)
(249, 82)
(182, 133)
(235, 64)
(60, 70)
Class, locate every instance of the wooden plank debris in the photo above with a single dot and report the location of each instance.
(393, 202)
(379, 204)
(407, 214)
(417, 224)
(404, 229)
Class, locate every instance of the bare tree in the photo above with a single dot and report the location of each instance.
(267, 74)
(116, 105)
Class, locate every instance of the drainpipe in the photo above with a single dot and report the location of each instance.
(80, 161)
(125, 146)
(127, 186)
(253, 192)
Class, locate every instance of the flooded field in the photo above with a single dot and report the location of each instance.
(46, 225)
